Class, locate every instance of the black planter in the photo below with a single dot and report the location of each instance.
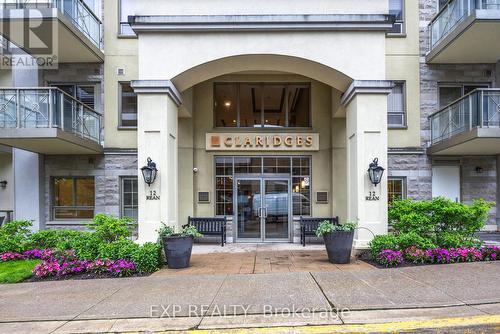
(178, 251)
(338, 246)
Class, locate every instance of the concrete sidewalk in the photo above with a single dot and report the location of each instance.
(258, 300)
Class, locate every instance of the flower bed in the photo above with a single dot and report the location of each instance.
(65, 263)
(416, 256)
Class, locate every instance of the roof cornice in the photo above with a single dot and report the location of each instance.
(237, 23)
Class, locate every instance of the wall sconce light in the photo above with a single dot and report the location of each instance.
(149, 172)
(375, 172)
(3, 184)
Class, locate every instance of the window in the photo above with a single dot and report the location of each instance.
(299, 169)
(301, 186)
(128, 106)
(396, 106)
(396, 189)
(254, 105)
(73, 198)
(127, 7)
(396, 8)
(82, 92)
(129, 198)
(448, 93)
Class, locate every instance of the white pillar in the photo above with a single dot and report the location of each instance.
(366, 113)
(157, 130)
(28, 187)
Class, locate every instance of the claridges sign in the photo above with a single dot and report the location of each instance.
(253, 141)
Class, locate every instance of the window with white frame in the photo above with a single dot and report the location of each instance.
(396, 106)
(396, 189)
(126, 8)
(128, 106)
(129, 199)
(397, 9)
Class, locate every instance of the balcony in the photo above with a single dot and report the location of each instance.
(468, 126)
(465, 32)
(76, 32)
(48, 121)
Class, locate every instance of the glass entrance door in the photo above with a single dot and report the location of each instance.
(276, 209)
(263, 209)
(249, 209)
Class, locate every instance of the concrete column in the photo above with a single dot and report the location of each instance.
(158, 103)
(28, 187)
(366, 118)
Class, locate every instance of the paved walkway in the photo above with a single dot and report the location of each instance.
(233, 300)
(260, 259)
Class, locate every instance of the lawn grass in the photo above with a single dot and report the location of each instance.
(16, 271)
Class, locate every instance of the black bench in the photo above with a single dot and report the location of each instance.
(210, 226)
(308, 226)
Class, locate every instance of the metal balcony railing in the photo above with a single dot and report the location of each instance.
(76, 11)
(48, 107)
(478, 109)
(453, 13)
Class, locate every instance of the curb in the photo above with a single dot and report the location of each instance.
(491, 321)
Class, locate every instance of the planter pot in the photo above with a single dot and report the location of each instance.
(338, 246)
(178, 251)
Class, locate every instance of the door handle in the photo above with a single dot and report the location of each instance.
(260, 212)
(265, 212)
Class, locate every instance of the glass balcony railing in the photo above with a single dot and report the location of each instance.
(77, 11)
(453, 14)
(35, 108)
(478, 109)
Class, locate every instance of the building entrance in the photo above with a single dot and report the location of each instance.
(263, 209)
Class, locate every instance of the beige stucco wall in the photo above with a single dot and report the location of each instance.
(120, 53)
(203, 122)
(6, 174)
(402, 63)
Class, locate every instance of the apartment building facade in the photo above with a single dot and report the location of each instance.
(261, 114)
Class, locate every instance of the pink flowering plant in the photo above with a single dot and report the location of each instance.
(390, 258)
(491, 253)
(66, 263)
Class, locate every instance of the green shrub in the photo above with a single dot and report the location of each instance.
(44, 239)
(109, 228)
(14, 235)
(148, 257)
(86, 245)
(455, 240)
(122, 249)
(440, 215)
(381, 242)
(406, 240)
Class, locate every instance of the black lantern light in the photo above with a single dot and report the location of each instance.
(149, 172)
(375, 172)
